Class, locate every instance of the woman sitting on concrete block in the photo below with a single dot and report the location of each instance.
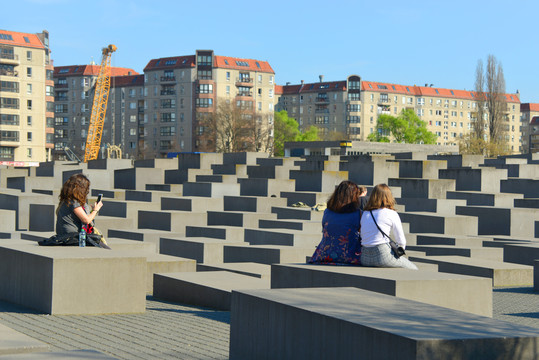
(380, 218)
(340, 228)
(72, 212)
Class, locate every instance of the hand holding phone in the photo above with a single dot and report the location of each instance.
(99, 197)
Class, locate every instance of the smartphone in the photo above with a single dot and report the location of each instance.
(99, 197)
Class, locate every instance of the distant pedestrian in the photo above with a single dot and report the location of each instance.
(363, 199)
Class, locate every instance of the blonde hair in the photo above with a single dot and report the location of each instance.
(381, 197)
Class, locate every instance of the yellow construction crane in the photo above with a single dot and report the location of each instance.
(99, 107)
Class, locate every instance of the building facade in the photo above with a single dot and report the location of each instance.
(159, 112)
(74, 88)
(350, 109)
(26, 98)
(528, 111)
(179, 91)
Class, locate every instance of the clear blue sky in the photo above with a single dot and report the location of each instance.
(402, 42)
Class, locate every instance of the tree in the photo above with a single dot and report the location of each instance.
(491, 103)
(470, 144)
(287, 129)
(407, 128)
(233, 128)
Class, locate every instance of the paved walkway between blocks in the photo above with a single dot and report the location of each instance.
(174, 331)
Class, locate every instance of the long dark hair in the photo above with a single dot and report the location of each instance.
(77, 188)
(345, 198)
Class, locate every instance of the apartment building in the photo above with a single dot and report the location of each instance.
(74, 88)
(179, 90)
(26, 98)
(528, 112)
(159, 112)
(350, 108)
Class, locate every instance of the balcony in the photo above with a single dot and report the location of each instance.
(245, 93)
(61, 98)
(9, 59)
(168, 78)
(244, 81)
(384, 100)
(60, 86)
(321, 111)
(141, 109)
(168, 92)
(321, 100)
(7, 72)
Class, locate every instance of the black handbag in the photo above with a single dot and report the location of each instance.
(71, 239)
(398, 251)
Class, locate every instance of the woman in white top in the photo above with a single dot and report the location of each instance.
(375, 248)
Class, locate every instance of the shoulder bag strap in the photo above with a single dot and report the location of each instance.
(383, 233)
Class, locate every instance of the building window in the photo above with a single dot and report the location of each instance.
(132, 105)
(168, 117)
(204, 103)
(29, 120)
(29, 136)
(205, 89)
(132, 132)
(28, 88)
(133, 118)
(228, 76)
(29, 72)
(29, 104)
(354, 96)
(29, 153)
(204, 74)
(168, 131)
(29, 55)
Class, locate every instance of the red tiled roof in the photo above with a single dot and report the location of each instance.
(175, 62)
(278, 89)
(529, 107)
(18, 39)
(314, 87)
(534, 120)
(73, 70)
(129, 80)
(242, 64)
(427, 91)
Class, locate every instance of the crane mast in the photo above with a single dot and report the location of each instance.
(99, 106)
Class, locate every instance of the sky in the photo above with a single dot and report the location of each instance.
(400, 42)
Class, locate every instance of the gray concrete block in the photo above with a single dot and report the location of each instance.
(528, 187)
(194, 204)
(423, 188)
(209, 288)
(483, 179)
(309, 198)
(501, 273)
(479, 198)
(222, 232)
(312, 227)
(536, 275)
(437, 239)
(420, 169)
(313, 180)
(8, 221)
(297, 213)
(72, 280)
(250, 269)
(265, 254)
(42, 218)
(241, 219)
(366, 325)
(281, 237)
(14, 342)
(524, 254)
(437, 224)
(458, 292)
(479, 252)
(203, 250)
(213, 190)
(68, 355)
(251, 204)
